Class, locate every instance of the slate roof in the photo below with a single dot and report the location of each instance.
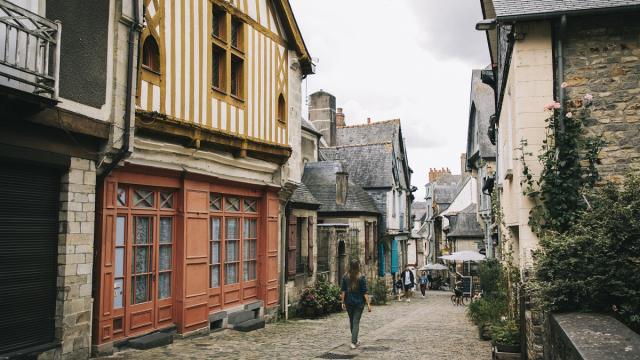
(320, 179)
(307, 125)
(374, 133)
(527, 8)
(483, 102)
(464, 224)
(446, 188)
(302, 196)
(370, 166)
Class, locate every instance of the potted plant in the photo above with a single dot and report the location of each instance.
(505, 337)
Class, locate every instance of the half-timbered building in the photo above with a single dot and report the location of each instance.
(189, 223)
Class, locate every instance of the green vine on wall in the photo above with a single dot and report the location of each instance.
(568, 157)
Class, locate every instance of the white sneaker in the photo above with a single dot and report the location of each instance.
(352, 345)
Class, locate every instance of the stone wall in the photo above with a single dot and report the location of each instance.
(534, 335)
(75, 261)
(603, 59)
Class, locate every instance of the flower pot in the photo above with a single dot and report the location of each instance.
(507, 348)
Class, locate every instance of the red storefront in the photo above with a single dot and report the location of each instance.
(174, 248)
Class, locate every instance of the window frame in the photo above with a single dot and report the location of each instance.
(231, 70)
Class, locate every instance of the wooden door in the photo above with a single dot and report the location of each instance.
(142, 275)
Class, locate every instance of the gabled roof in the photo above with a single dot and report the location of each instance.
(320, 179)
(517, 9)
(464, 224)
(373, 133)
(303, 197)
(292, 29)
(370, 166)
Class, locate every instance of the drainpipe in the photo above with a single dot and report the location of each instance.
(124, 151)
(560, 40)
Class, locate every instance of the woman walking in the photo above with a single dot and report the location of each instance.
(424, 282)
(353, 297)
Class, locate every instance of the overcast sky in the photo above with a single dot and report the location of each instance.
(407, 59)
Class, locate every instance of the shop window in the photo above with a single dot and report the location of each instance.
(165, 257)
(214, 262)
(142, 249)
(118, 271)
(151, 54)
(250, 245)
(232, 250)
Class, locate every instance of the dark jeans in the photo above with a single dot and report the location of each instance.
(423, 288)
(355, 313)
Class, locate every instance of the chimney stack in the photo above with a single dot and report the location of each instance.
(435, 174)
(322, 114)
(340, 118)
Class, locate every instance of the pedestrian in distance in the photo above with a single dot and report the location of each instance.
(353, 297)
(399, 287)
(424, 282)
(408, 281)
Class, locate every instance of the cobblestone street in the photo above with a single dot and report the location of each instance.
(429, 328)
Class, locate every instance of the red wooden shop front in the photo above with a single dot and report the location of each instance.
(174, 248)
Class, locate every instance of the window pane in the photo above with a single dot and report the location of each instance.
(118, 288)
(232, 229)
(141, 293)
(253, 228)
(141, 263)
(231, 271)
(245, 271)
(120, 229)
(215, 229)
(119, 267)
(166, 200)
(164, 286)
(215, 202)
(166, 233)
(122, 196)
(253, 253)
(142, 231)
(165, 257)
(236, 33)
(250, 205)
(215, 252)
(215, 276)
(232, 204)
(232, 251)
(216, 69)
(143, 198)
(245, 249)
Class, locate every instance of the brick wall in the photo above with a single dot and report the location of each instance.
(75, 261)
(603, 59)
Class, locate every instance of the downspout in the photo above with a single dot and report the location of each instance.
(124, 150)
(560, 40)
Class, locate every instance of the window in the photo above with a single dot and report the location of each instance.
(232, 253)
(214, 262)
(282, 109)
(165, 262)
(151, 54)
(250, 256)
(227, 54)
(299, 256)
(142, 269)
(219, 23)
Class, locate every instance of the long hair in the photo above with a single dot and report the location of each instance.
(354, 275)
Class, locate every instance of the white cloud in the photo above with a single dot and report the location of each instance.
(407, 59)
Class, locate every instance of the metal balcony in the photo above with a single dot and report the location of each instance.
(29, 51)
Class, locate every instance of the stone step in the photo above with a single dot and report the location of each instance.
(151, 341)
(240, 317)
(250, 325)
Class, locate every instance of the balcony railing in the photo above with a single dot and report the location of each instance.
(29, 50)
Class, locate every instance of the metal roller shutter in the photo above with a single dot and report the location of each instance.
(29, 197)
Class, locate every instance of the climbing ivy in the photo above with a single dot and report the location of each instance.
(568, 157)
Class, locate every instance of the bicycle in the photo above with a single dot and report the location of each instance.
(460, 300)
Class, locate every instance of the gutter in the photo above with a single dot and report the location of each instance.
(559, 67)
(124, 150)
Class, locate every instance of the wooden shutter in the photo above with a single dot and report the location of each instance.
(374, 225)
(367, 228)
(292, 240)
(311, 240)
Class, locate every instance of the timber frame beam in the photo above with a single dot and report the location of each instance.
(196, 136)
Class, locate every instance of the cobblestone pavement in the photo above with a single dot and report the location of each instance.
(425, 328)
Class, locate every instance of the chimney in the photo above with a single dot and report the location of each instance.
(435, 174)
(322, 114)
(340, 118)
(463, 163)
(342, 187)
(368, 120)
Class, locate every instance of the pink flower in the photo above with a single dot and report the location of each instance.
(588, 97)
(552, 105)
(564, 85)
(569, 115)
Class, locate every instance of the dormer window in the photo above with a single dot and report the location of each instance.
(151, 54)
